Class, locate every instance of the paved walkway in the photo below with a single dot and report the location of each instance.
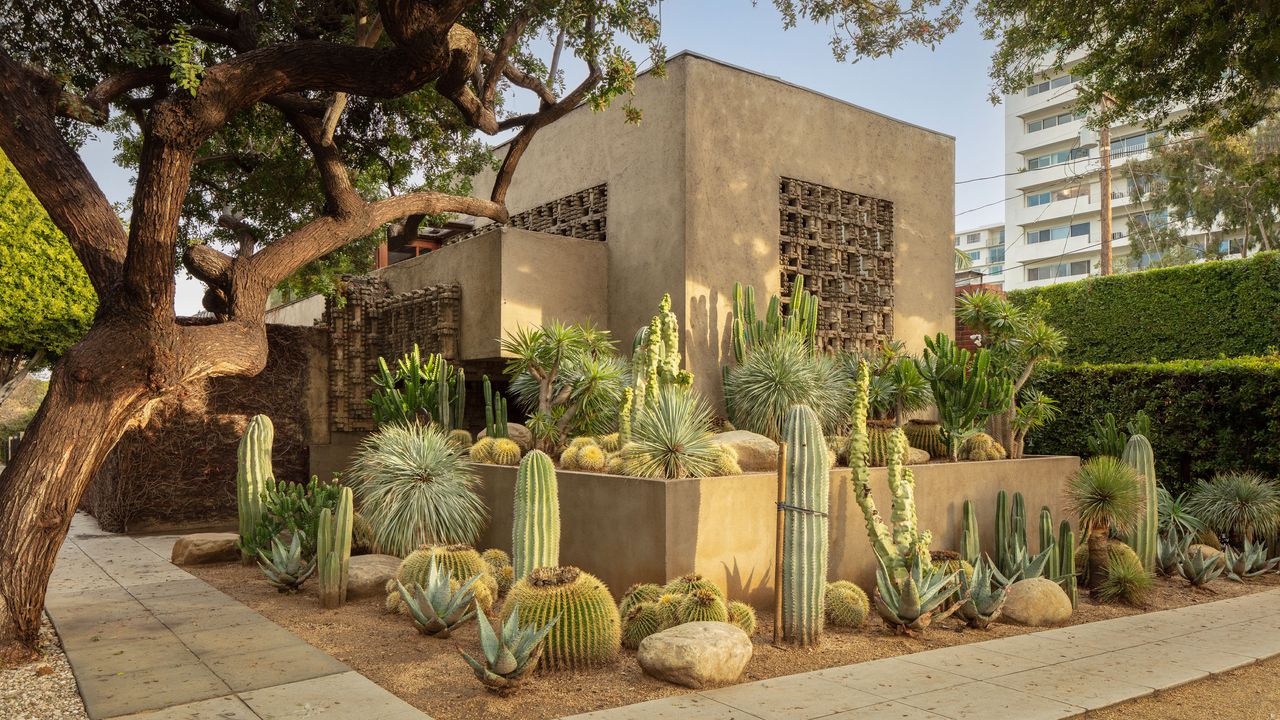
(148, 641)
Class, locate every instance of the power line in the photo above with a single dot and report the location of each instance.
(1113, 155)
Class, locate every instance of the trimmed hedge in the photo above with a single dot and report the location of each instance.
(1206, 416)
(1207, 310)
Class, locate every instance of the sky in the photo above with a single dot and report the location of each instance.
(944, 89)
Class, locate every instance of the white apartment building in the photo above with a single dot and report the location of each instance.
(985, 248)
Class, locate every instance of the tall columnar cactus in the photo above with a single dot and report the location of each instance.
(253, 480)
(1067, 561)
(1003, 544)
(495, 412)
(624, 417)
(535, 533)
(808, 490)
(1018, 523)
(415, 387)
(970, 543)
(1054, 566)
(905, 545)
(749, 331)
(1138, 453)
(656, 359)
(333, 551)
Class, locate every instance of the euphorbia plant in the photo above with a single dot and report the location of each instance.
(965, 389)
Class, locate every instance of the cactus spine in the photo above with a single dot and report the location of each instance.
(1053, 567)
(1002, 530)
(253, 479)
(333, 549)
(1067, 561)
(1138, 453)
(535, 534)
(589, 630)
(970, 544)
(804, 564)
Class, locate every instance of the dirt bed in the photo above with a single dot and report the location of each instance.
(429, 674)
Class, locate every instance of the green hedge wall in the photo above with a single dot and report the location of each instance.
(1206, 415)
(1222, 308)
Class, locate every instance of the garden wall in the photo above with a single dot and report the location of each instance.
(180, 468)
(628, 530)
(1207, 415)
(1207, 310)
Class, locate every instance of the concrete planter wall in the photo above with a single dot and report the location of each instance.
(628, 530)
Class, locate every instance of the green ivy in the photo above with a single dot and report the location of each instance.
(1224, 308)
(1206, 415)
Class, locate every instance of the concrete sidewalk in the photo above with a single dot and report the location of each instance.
(150, 641)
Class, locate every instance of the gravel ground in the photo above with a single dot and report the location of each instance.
(43, 689)
(1250, 693)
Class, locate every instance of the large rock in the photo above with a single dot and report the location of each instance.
(1208, 552)
(201, 548)
(1037, 602)
(755, 452)
(916, 456)
(696, 654)
(517, 432)
(367, 575)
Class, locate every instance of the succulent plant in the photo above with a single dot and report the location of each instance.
(671, 438)
(333, 551)
(727, 461)
(1067, 562)
(285, 568)
(589, 631)
(441, 604)
(970, 543)
(668, 609)
(703, 606)
(496, 558)
(1251, 561)
(1023, 566)
(254, 478)
(499, 565)
(482, 450)
(948, 561)
(926, 435)
(878, 434)
(638, 593)
(569, 457)
(807, 479)
(1241, 505)
(1126, 581)
(777, 374)
(845, 604)
(639, 622)
(909, 605)
(610, 443)
(981, 446)
(505, 452)
(510, 655)
(1138, 454)
(1053, 568)
(686, 584)
(591, 458)
(459, 561)
(535, 530)
(495, 412)
(744, 616)
(1199, 568)
(460, 437)
(1169, 552)
(983, 597)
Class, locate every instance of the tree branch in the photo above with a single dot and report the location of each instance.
(94, 107)
(340, 196)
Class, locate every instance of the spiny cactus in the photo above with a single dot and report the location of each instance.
(624, 417)
(639, 593)
(703, 606)
(495, 412)
(535, 530)
(1066, 549)
(983, 598)
(981, 446)
(1004, 544)
(433, 390)
(970, 544)
(744, 616)
(253, 480)
(285, 568)
(333, 551)
(656, 360)
(610, 443)
(460, 437)
(591, 459)
(1138, 454)
(482, 450)
(669, 609)
(499, 565)
(727, 461)
(505, 452)
(441, 604)
(804, 564)
(589, 631)
(691, 582)
(616, 464)
(926, 435)
(846, 604)
(750, 331)
(639, 622)
(878, 442)
(460, 561)
(1053, 568)
(507, 656)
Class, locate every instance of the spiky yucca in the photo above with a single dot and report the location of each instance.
(589, 631)
(496, 558)
(982, 446)
(671, 438)
(414, 487)
(777, 374)
(482, 450)
(703, 606)
(1126, 579)
(686, 584)
(1241, 505)
(641, 620)
(461, 562)
(505, 452)
(926, 435)
(639, 593)
(1104, 494)
(845, 604)
(744, 616)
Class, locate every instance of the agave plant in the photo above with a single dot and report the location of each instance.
(285, 568)
(415, 487)
(509, 656)
(984, 597)
(441, 605)
(1199, 568)
(909, 605)
(1249, 562)
(1022, 566)
(1243, 505)
(1169, 550)
(671, 439)
(779, 373)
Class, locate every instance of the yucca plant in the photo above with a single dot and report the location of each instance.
(671, 438)
(1249, 562)
(1126, 581)
(415, 487)
(286, 568)
(510, 655)
(779, 373)
(442, 604)
(1242, 505)
(984, 597)
(1175, 521)
(1199, 568)
(1104, 494)
(910, 604)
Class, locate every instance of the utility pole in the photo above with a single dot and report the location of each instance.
(1104, 154)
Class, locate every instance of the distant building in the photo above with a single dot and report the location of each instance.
(985, 248)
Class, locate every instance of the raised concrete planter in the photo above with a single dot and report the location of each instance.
(627, 530)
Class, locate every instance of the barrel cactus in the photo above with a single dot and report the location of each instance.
(610, 443)
(804, 554)
(742, 615)
(482, 450)
(727, 461)
(982, 446)
(926, 435)
(639, 593)
(669, 609)
(505, 452)
(591, 459)
(703, 606)
(460, 437)
(589, 631)
(640, 621)
(535, 530)
(878, 435)
(686, 584)
(846, 604)
(499, 564)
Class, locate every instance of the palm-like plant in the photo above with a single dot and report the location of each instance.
(896, 387)
(1104, 494)
(781, 372)
(416, 487)
(1242, 505)
(1176, 522)
(671, 438)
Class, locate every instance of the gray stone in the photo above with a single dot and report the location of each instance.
(916, 456)
(697, 654)
(1037, 602)
(756, 453)
(201, 548)
(517, 432)
(367, 575)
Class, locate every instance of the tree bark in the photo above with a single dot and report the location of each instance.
(1097, 566)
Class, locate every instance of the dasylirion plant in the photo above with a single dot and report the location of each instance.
(509, 655)
(253, 480)
(589, 631)
(846, 604)
(333, 551)
(535, 530)
(807, 495)
(1138, 454)
(286, 568)
(440, 604)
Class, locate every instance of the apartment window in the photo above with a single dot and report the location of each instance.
(1070, 193)
(1048, 272)
(972, 238)
(1057, 158)
(995, 255)
(1040, 198)
(995, 270)
(1001, 236)
(1152, 220)
(974, 255)
(1045, 86)
(1061, 232)
(1050, 122)
(1131, 144)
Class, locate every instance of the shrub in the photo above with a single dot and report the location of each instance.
(1223, 308)
(672, 439)
(778, 374)
(415, 487)
(1126, 580)
(1242, 505)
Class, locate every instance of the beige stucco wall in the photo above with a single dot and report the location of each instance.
(305, 312)
(629, 530)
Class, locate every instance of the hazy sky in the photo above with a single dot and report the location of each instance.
(943, 89)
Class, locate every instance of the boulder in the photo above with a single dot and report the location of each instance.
(916, 456)
(696, 654)
(1209, 552)
(756, 452)
(201, 548)
(517, 432)
(367, 575)
(1037, 602)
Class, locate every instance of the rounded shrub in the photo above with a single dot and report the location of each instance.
(777, 374)
(589, 631)
(845, 604)
(1241, 505)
